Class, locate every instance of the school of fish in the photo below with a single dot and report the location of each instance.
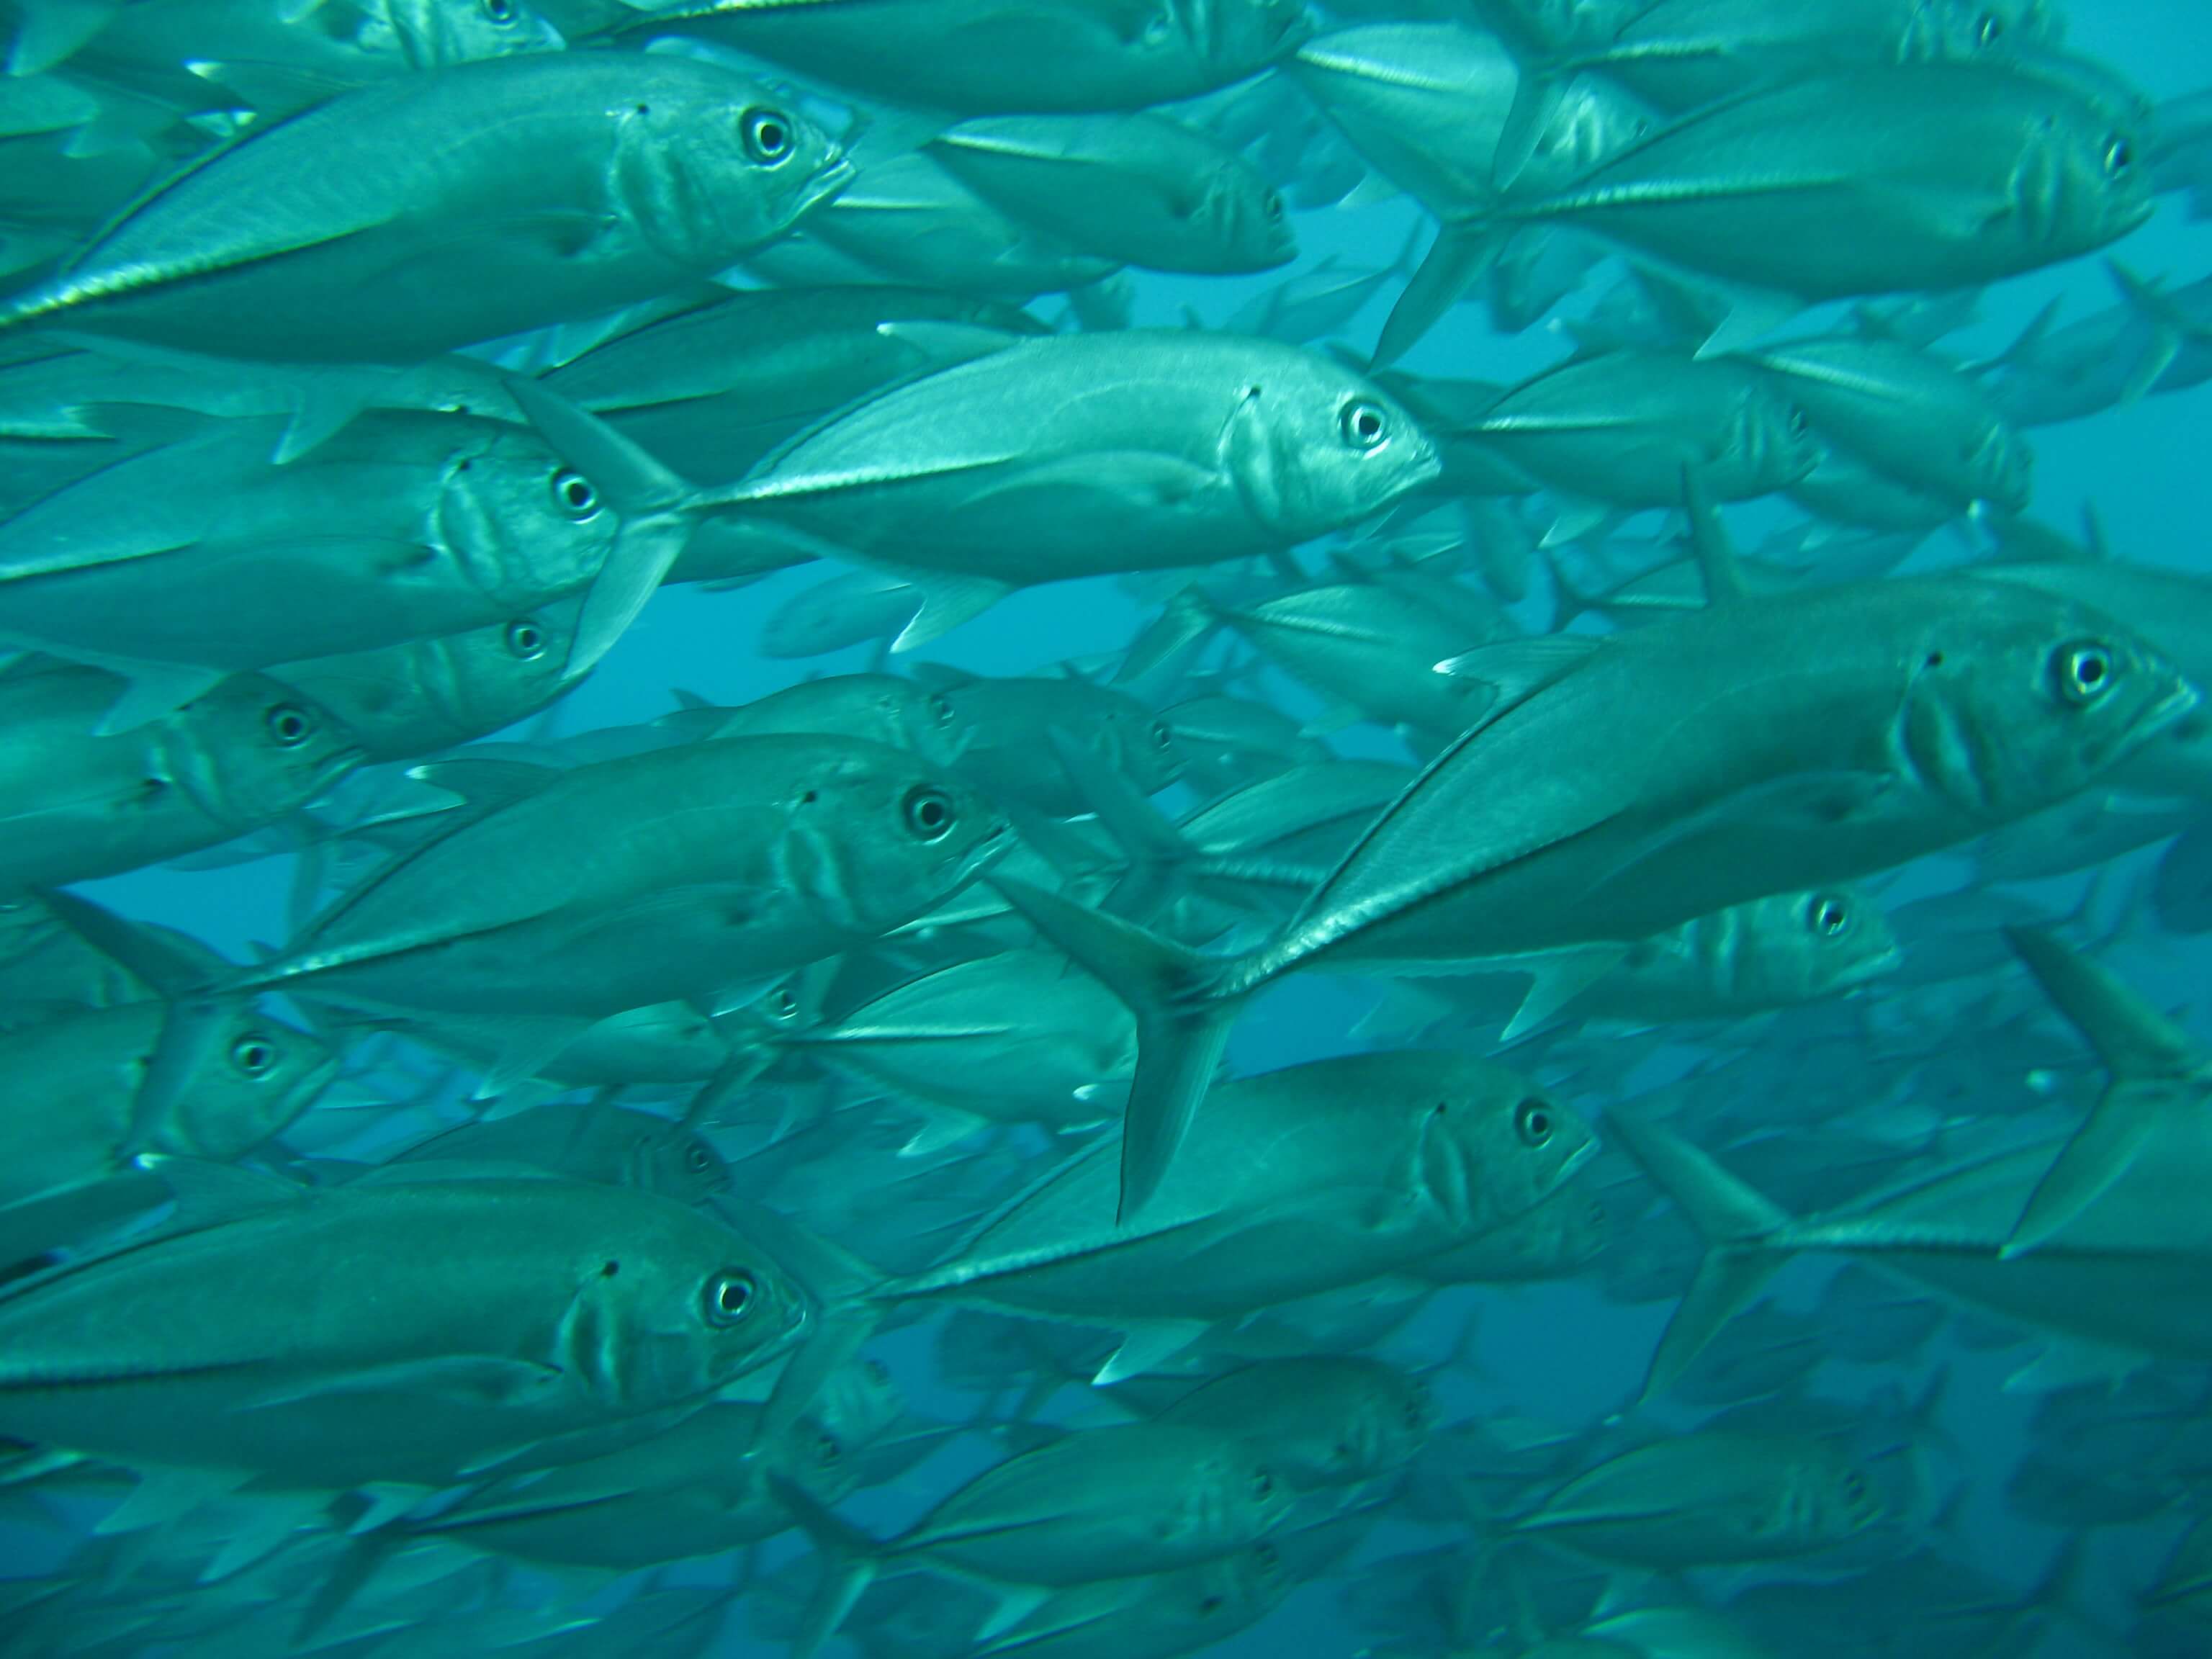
(1614, 833)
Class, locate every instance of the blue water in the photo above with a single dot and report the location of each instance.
(1562, 1352)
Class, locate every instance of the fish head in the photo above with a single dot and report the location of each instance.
(1235, 1493)
(496, 675)
(260, 1075)
(250, 749)
(1129, 737)
(1387, 1428)
(2084, 179)
(1775, 439)
(437, 33)
(918, 718)
(1794, 947)
(2015, 700)
(860, 1402)
(1958, 30)
(676, 1161)
(1249, 219)
(1313, 446)
(519, 521)
(711, 164)
(875, 836)
(1830, 1496)
(1492, 1147)
(677, 1305)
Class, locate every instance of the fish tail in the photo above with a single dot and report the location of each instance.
(658, 509)
(1464, 250)
(850, 1559)
(2151, 1061)
(1739, 1227)
(203, 991)
(1539, 91)
(1184, 1008)
(1186, 619)
(355, 1566)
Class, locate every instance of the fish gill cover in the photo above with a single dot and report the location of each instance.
(1032, 829)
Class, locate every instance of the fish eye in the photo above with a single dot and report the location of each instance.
(1162, 738)
(2119, 156)
(729, 1294)
(1275, 208)
(767, 135)
(940, 708)
(1989, 30)
(2085, 671)
(782, 1002)
(697, 1158)
(1799, 422)
(826, 1451)
(1363, 425)
(1263, 1485)
(254, 1055)
(500, 11)
(526, 640)
(1854, 1485)
(574, 495)
(928, 813)
(1830, 916)
(1265, 1554)
(288, 726)
(1532, 1121)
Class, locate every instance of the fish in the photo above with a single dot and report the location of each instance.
(1468, 1147)
(1323, 1421)
(2032, 172)
(1004, 57)
(989, 476)
(1709, 1496)
(1138, 189)
(80, 801)
(1908, 415)
(738, 860)
(714, 387)
(1401, 897)
(434, 1382)
(406, 526)
(439, 240)
(1101, 1504)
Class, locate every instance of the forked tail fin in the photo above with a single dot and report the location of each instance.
(1183, 1018)
(1739, 1227)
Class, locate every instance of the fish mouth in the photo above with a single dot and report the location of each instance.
(837, 173)
(2169, 710)
(1582, 1155)
(987, 851)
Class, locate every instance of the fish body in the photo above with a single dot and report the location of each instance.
(706, 865)
(76, 801)
(453, 206)
(343, 1334)
(986, 57)
(1089, 453)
